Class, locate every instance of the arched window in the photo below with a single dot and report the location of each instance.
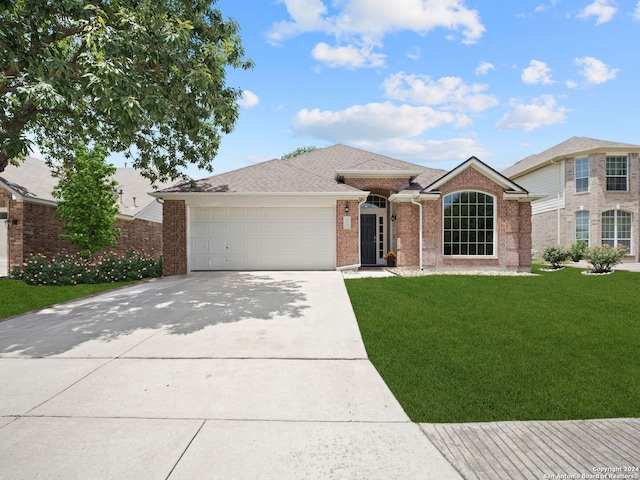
(469, 223)
(616, 228)
(375, 201)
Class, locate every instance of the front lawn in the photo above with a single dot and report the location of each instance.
(17, 297)
(487, 348)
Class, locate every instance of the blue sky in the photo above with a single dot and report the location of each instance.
(433, 81)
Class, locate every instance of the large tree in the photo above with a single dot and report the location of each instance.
(142, 77)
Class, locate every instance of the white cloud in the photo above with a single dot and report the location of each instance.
(347, 56)
(603, 10)
(636, 12)
(542, 111)
(373, 121)
(426, 151)
(571, 84)
(537, 72)
(484, 67)
(595, 71)
(248, 99)
(366, 22)
(414, 53)
(451, 92)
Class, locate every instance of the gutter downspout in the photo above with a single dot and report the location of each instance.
(413, 200)
(364, 200)
(559, 198)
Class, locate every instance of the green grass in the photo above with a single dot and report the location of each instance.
(478, 348)
(17, 297)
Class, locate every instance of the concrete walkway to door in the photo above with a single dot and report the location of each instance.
(212, 376)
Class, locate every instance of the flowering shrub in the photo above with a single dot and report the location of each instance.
(555, 255)
(603, 259)
(576, 251)
(65, 269)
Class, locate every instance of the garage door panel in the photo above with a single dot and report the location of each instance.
(262, 238)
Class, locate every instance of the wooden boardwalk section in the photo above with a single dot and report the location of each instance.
(541, 450)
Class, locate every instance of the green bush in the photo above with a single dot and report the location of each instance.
(555, 256)
(603, 259)
(576, 251)
(66, 269)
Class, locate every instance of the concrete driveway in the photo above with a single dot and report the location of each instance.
(214, 375)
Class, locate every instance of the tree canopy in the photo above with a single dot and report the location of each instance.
(299, 151)
(143, 77)
(88, 200)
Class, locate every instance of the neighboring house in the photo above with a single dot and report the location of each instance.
(28, 209)
(342, 208)
(592, 190)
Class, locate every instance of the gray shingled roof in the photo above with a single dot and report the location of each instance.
(273, 176)
(312, 172)
(571, 147)
(32, 179)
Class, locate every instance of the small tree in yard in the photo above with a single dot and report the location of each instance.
(88, 200)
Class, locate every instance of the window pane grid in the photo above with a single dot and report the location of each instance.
(468, 224)
(582, 174)
(582, 226)
(616, 229)
(616, 172)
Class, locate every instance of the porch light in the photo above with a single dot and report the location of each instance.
(9, 222)
(393, 218)
(346, 207)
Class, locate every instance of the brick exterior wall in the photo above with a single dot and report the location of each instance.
(512, 229)
(174, 237)
(595, 201)
(347, 241)
(38, 232)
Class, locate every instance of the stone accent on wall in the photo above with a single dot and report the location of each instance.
(174, 237)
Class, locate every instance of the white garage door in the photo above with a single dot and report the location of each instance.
(262, 238)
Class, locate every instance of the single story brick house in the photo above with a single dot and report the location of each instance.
(28, 209)
(591, 192)
(343, 208)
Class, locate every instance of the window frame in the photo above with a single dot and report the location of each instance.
(617, 239)
(448, 246)
(616, 176)
(584, 176)
(587, 220)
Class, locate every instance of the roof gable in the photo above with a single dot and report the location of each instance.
(571, 147)
(484, 169)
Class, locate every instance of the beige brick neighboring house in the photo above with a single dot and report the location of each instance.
(28, 209)
(341, 208)
(592, 193)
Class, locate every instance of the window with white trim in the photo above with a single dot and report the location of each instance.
(582, 174)
(616, 228)
(582, 226)
(617, 173)
(468, 223)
